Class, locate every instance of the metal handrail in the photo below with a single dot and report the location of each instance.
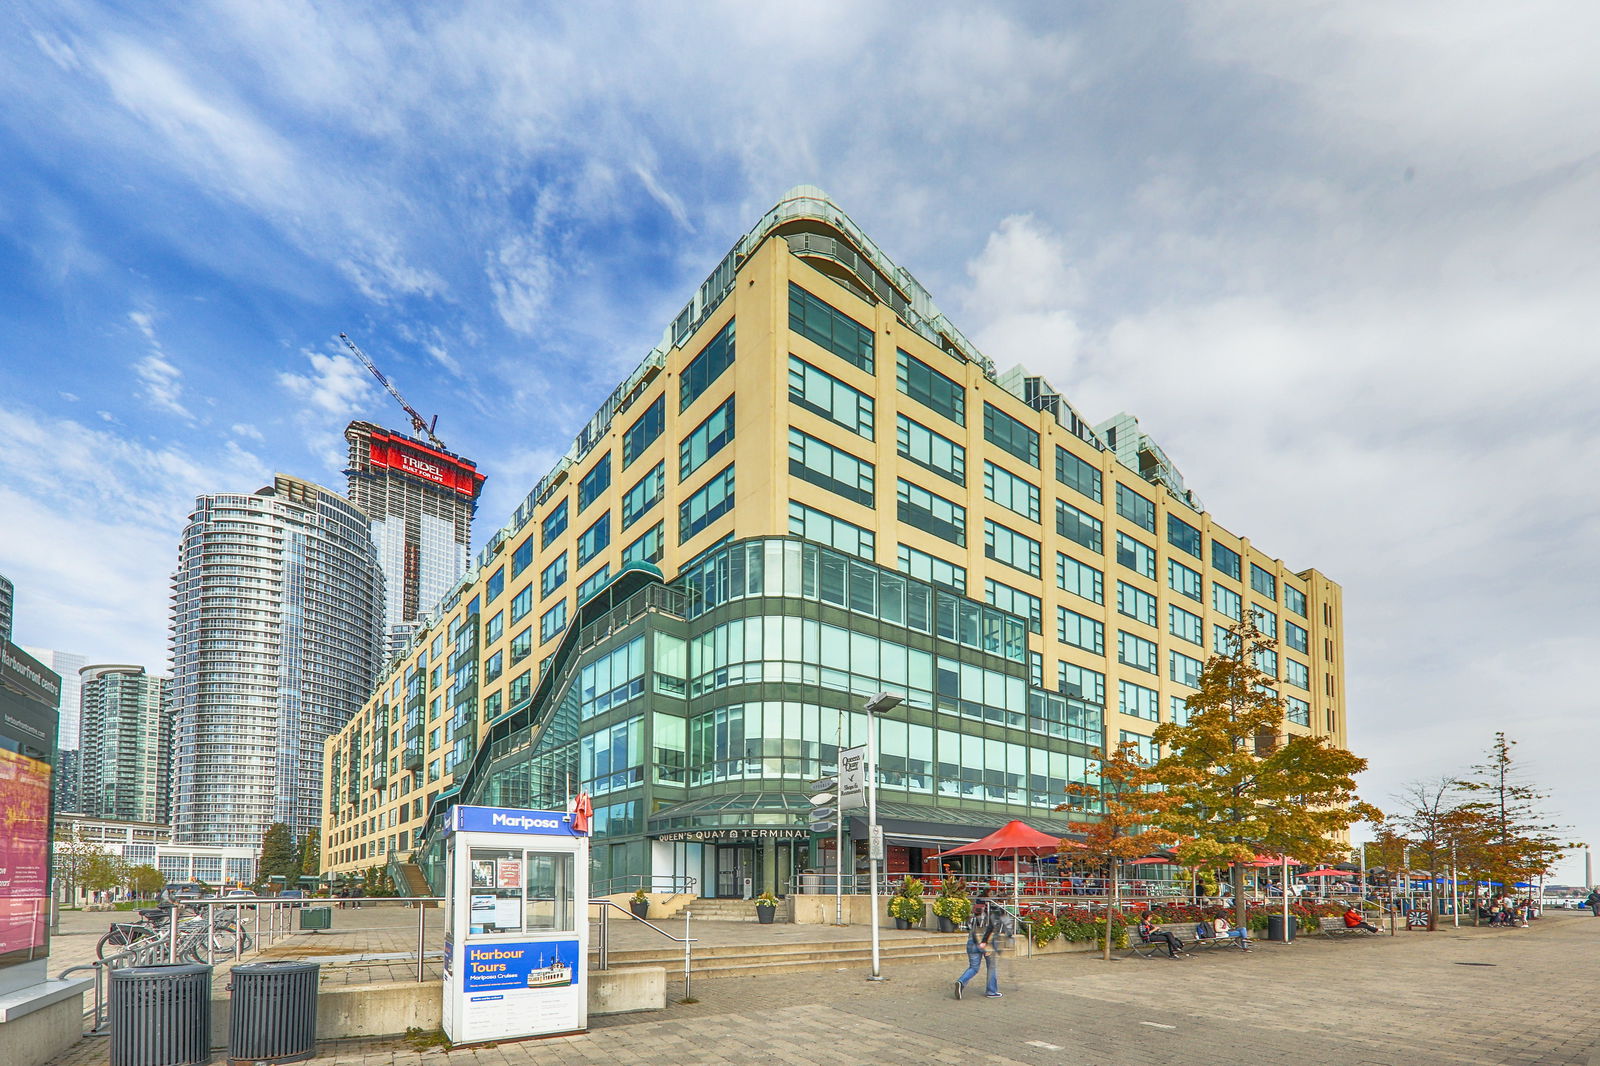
(604, 945)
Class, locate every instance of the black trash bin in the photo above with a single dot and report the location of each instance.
(161, 1015)
(274, 1012)
(1279, 930)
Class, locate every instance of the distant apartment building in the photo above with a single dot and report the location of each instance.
(813, 490)
(8, 595)
(125, 753)
(276, 607)
(68, 780)
(420, 500)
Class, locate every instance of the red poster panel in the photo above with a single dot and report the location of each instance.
(24, 852)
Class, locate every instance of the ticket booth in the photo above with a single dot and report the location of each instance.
(517, 941)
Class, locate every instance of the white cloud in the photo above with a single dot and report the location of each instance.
(245, 429)
(162, 382)
(336, 385)
(1023, 289)
(521, 278)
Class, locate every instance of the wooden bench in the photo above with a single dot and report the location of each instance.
(1228, 940)
(1336, 927)
(1187, 941)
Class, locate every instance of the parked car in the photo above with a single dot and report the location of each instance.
(293, 894)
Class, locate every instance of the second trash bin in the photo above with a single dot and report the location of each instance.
(316, 918)
(161, 1015)
(1279, 930)
(273, 1016)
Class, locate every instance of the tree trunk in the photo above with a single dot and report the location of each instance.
(1241, 908)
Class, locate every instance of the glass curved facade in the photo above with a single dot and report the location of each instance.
(700, 717)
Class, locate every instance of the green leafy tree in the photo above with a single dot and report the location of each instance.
(70, 858)
(1126, 828)
(144, 880)
(279, 856)
(1238, 784)
(376, 882)
(311, 854)
(103, 871)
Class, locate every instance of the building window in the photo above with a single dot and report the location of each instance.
(1136, 652)
(1227, 601)
(1297, 710)
(551, 579)
(1295, 600)
(1297, 674)
(493, 666)
(1001, 429)
(1005, 545)
(637, 501)
(644, 431)
(1222, 642)
(522, 558)
(714, 500)
(1184, 669)
(1079, 527)
(1178, 709)
(1136, 603)
(821, 464)
(1267, 662)
(521, 645)
(554, 524)
(553, 621)
(1185, 582)
(1080, 579)
(826, 396)
(930, 388)
(830, 328)
(1263, 582)
(1183, 536)
(708, 366)
(812, 524)
(593, 541)
(520, 689)
(596, 581)
(930, 568)
(1145, 748)
(647, 549)
(495, 628)
(1080, 631)
(930, 450)
(522, 603)
(495, 585)
(1135, 508)
(1010, 491)
(1077, 475)
(1225, 559)
(1185, 626)
(1080, 681)
(1136, 556)
(1017, 602)
(1265, 620)
(1138, 701)
(706, 439)
(1297, 639)
(932, 513)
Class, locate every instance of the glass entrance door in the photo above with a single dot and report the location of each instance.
(736, 863)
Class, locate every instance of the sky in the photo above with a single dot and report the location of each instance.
(1339, 259)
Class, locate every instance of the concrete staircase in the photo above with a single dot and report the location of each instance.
(729, 910)
(739, 960)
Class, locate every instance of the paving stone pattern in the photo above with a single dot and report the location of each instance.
(1473, 996)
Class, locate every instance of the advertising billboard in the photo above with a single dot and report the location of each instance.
(393, 452)
(28, 695)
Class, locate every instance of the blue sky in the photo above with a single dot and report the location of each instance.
(1340, 261)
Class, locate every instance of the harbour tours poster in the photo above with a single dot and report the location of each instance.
(520, 966)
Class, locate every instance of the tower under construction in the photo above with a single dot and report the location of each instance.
(421, 500)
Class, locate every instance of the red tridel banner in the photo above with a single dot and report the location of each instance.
(395, 453)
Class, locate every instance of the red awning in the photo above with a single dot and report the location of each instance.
(1272, 860)
(1148, 862)
(1326, 873)
(1013, 838)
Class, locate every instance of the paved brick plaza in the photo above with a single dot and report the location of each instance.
(1473, 996)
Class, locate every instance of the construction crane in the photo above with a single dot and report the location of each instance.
(418, 423)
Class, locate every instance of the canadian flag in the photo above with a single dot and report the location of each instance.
(582, 811)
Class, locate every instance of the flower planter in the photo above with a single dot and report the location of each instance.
(945, 924)
(901, 923)
(764, 915)
(640, 910)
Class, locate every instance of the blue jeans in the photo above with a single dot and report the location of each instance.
(976, 958)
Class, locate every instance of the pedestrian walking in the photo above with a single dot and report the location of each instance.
(983, 936)
(1593, 902)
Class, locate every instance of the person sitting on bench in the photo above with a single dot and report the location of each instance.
(1222, 927)
(1353, 919)
(1151, 933)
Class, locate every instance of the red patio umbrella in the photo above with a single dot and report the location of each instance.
(1148, 861)
(1015, 838)
(1325, 873)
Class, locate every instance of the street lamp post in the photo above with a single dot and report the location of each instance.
(882, 703)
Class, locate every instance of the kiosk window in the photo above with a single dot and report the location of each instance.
(496, 890)
(550, 892)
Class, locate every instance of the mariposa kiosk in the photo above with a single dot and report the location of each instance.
(516, 948)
